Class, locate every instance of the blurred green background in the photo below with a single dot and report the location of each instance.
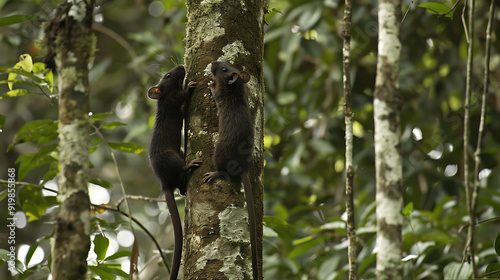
(305, 236)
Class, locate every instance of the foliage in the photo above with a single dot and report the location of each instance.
(304, 137)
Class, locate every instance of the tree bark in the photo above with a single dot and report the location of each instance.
(70, 45)
(388, 162)
(217, 242)
(349, 141)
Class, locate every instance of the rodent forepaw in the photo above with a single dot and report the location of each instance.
(211, 83)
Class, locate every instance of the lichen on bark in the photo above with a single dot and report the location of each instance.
(230, 31)
(70, 45)
(388, 161)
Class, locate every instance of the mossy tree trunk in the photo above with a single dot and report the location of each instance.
(70, 44)
(217, 242)
(388, 161)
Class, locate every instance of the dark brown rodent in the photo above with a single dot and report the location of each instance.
(165, 153)
(234, 148)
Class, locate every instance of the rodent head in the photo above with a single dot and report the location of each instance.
(226, 74)
(171, 81)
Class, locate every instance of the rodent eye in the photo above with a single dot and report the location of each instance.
(224, 69)
(168, 75)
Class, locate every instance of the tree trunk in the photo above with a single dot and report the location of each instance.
(388, 162)
(70, 45)
(349, 141)
(217, 242)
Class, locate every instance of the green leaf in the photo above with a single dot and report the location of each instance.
(100, 116)
(16, 93)
(101, 182)
(25, 62)
(4, 193)
(112, 125)
(497, 245)
(108, 270)
(30, 253)
(494, 269)
(284, 230)
(119, 254)
(16, 81)
(4, 257)
(51, 174)
(32, 202)
(16, 19)
(101, 244)
(408, 209)
(51, 201)
(272, 12)
(127, 147)
(10, 78)
(2, 122)
(437, 8)
(38, 67)
(305, 244)
(25, 65)
(30, 161)
(457, 270)
(47, 139)
(21, 72)
(2, 3)
(49, 78)
(102, 273)
(34, 130)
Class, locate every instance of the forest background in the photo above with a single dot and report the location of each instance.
(304, 202)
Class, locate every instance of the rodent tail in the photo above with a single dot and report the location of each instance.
(176, 223)
(252, 224)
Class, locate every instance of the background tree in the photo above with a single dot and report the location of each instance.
(388, 162)
(349, 140)
(304, 201)
(215, 212)
(70, 45)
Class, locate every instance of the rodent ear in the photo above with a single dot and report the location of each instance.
(234, 77)
(245, 76)
(154, 92)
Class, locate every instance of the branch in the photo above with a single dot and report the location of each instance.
(28, 184)
(139, 197)
(142, 227)
(115, 36)
(486, 83)
(407, 10)
(468, 253)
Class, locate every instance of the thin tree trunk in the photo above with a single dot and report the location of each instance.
(349, 183)
(388, 162)
(216, 227)
(70, 45)
(468, 254)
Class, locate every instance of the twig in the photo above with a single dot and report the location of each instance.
(142, 227)
(464, 23)
(451, 9)
(486, 83)
(115, 36)
(29, 184)
(407, 10)
(139, 197)
(468, 253)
